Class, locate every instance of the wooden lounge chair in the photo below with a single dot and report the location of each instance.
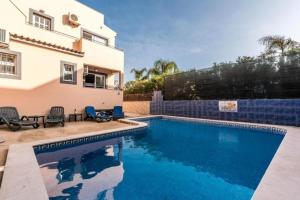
(56, 116)
(10, 117)
(99, 117)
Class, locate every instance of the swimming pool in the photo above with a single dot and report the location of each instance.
(171, 159)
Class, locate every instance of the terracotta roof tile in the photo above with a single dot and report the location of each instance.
(46, 43)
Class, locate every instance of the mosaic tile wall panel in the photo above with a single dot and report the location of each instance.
(54, 146)
(268, 111)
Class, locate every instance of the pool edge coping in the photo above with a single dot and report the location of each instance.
(271, 185)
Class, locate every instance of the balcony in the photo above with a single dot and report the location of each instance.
(101, 55)
(100, 78)
(94, 53)
(43, 35)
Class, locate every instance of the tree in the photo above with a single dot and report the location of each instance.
(274, 74)
(162, 67)
(153, 79)
(275, 43)
(139, 74)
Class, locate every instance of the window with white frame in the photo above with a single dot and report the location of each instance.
(41, 22)
(68, 73)
(8, 64)
(94, 38)
(94, 78)
(100, 81)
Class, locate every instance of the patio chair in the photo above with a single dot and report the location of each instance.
(56, 116)
(118, 112)
(10, 117)
(99, 117)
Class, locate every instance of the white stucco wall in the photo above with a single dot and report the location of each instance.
(39, 86)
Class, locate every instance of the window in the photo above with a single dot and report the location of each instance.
(10, 64)
(68, 73)
(3, 36)
(94, 38)
(94, 79)
(41, 20)
(100, 80)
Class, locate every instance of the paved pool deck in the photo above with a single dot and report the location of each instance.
(281, 180)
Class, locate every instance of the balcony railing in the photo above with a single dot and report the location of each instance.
(101, 44)
(73, 38)
(107, 87)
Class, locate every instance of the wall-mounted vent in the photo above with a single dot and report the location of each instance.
(3, 36)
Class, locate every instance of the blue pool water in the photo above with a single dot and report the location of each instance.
(169, 160)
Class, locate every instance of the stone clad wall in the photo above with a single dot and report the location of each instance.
(268, 111)
(137, 107)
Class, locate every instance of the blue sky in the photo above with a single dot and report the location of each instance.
(195, 33)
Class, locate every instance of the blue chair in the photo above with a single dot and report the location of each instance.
(99, 117)
(118, 112)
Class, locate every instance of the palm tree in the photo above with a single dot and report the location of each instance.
(274, 43)
(138, 74)
(163, 67)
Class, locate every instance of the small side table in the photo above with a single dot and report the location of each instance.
(37, 117)
(75, 117)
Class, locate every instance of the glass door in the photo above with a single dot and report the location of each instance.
(100, 81)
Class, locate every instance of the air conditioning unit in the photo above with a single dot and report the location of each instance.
(4, 37)
(73, 20)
